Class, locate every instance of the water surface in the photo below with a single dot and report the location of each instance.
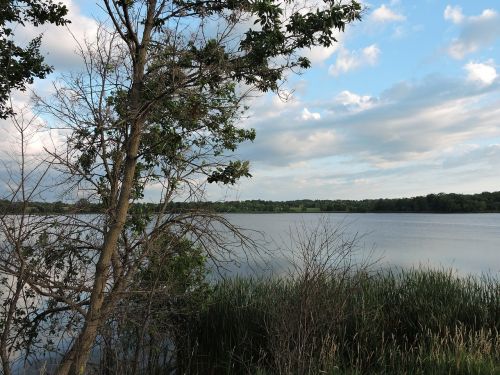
(466, 243)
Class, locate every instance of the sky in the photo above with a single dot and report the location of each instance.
(406, 104)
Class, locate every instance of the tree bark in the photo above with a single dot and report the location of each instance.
(76, 358)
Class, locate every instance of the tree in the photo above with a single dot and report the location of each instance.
(20, 65)
(158, 105)
(25, 174)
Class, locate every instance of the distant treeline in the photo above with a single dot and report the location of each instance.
(444, 203)
(483, 202)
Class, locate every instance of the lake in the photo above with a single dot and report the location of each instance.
(466, 243)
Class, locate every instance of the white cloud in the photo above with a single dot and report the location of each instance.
(299, 147)
(453, 14)
(417, 136)
(347, 60)
(307, 115)
(352, 100)
(371, 54)
(485, 15)
(484, 73)
(408, 123)
(476, 32)
(320, 54)
(37, 135)
(59, 43)
(384, 14)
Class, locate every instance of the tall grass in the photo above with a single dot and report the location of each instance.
(332, 314)
(407, 322)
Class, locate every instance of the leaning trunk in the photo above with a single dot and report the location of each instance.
(76, 359)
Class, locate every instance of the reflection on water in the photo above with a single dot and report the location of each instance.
(467, 243)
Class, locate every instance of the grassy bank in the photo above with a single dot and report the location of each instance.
(413, 322)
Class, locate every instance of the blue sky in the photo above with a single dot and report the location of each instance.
(407, 103)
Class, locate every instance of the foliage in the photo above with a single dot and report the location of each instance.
(157, 105)
(20, 65)
(142, 333)
(191, 89)
(438, 203)
(414, 322)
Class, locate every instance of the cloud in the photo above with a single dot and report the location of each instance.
(354, 101)
(476, 32)
(473, 154)
(411, 123)
(416, 137)
(59, 44)
(383, 14)
(484, 74)
(453, 14)
(320, 54)
(306, 115)
(348, 60)
(38, 136)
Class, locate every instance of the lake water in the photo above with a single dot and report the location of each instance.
(466, 243)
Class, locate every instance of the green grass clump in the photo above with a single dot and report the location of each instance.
(410, 322)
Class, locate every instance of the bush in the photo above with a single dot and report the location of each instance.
(143, 335)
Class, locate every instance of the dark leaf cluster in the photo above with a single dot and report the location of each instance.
(22, 64)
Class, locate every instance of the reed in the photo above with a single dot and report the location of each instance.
(405, 322)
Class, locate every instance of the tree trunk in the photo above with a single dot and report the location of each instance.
(75, 360)
(7, 324)
(5, 361)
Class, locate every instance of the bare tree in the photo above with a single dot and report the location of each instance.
(23, 179)
(326, 265)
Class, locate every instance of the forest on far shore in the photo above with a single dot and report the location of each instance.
(431, 203)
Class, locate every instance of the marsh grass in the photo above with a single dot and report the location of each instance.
(406, 322)
(330, 314)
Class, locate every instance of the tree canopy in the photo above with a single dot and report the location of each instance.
(158, 105)
(21, 64)
(435, 203)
